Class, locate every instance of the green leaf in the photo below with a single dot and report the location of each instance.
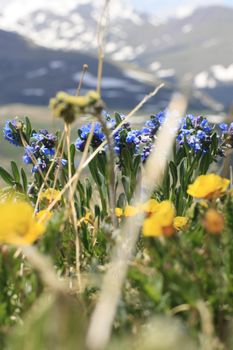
(94, 172)
(126, 156)
(179, 156)
(166, 183)
(28, 128)
(88, 192)
(126, 185)
(24, 180)
(117, 118)
(6, 177)
(72, 153)
(137, 162)
(174, 174)
(15, 171)
(121, 202)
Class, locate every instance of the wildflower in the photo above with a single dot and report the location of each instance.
(150, 206)
(41, 150)
(43, 216)
(118, 212)
(17, 224)
(50, 194)
(86, 219)
(208, 186)
(180, 222)
(68, 107)
(131, 211)
(223, 127)
(133, 137)
(84, 131)
(11, 132)
(213, 221)
(161, 221)
(196, 133)
(203, 204)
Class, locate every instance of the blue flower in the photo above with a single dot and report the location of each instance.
(11, 132)
(196, 132)
(64, 162)
(41, 149)
(201, 135)
(133, 136)
(27, 159)
(230, 130)
(84, 131)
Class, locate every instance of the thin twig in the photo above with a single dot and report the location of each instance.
(85, 69)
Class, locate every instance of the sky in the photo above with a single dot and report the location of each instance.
(161, 8)
(166, 8)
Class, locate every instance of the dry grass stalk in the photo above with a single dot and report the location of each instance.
(43, 265)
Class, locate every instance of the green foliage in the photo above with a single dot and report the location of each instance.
(169, 275)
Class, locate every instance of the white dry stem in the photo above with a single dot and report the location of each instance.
(44, 267)
(103, 316)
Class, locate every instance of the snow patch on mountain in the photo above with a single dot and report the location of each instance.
(221, 73)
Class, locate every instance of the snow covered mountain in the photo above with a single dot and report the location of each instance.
(33, 74)
(197, 48)
(72, 25)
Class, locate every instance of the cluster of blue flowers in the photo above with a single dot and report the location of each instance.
(11, 132)
(84, 131)
(196, 132)
(226, 129)
(40, 149)
(136, 141)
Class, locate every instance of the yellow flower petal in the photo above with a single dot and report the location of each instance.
(208, 186)
(118, 212)
(161, 221)
(50, 194)
(43, 216)
(150, 206)
(151, 227)
(180, 222)
(17, 224)
(131, 211)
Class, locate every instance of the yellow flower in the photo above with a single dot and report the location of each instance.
(17, 224)
(203, 204)
(131, 211)
(150, 206)
(86, 219)
(180, 222)
(213, 221)
(118, 212)
(93, 95)
(50, 194)
(160, 222)
(208, 186)
(43, 216)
